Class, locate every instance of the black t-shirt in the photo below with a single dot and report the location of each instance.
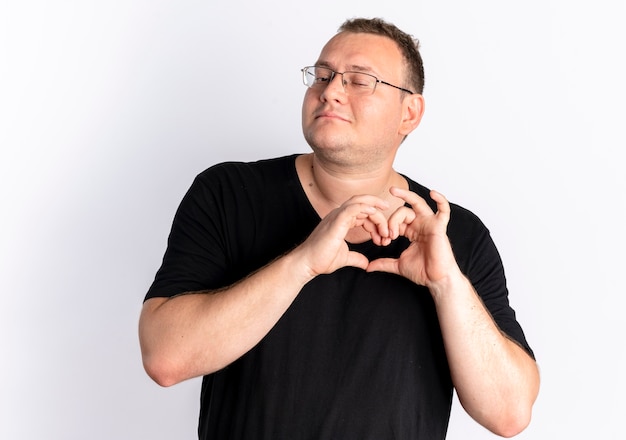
(357, 355)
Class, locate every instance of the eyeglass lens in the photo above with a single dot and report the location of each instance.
(356, 83)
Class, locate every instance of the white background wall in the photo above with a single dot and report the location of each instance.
(109, 109)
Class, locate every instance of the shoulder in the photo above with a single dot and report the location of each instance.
(249, 170)
(229, 179)
(243, 186)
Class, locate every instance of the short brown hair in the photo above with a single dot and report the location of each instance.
(408, 45)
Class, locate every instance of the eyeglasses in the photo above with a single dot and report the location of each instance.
(354, 83)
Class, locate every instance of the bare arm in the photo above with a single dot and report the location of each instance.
(198, 333)
(497, 381)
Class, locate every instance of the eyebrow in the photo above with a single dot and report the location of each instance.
(351, 68)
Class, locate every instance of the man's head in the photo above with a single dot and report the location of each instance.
(364, 94)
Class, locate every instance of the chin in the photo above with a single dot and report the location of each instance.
(327, 142)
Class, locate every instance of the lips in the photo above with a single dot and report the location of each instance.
(330, 115)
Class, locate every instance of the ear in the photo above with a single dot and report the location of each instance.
(412, 112)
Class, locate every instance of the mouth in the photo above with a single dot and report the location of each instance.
(330, 115)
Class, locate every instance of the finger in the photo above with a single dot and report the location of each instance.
(418, 203)
(370, 200)
(356, 259)
(376, 224)
(372, 229)
(443, 206)
(354, 215)
(389, 265)
(399, 219)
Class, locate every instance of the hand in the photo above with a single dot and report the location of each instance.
(429, 258)
(325, 250)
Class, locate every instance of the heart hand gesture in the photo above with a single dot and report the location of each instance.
(429, 258)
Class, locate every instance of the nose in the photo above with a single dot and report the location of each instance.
(334, 90)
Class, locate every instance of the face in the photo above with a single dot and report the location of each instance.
(357, 129)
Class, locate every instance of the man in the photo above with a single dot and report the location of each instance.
(326, 296)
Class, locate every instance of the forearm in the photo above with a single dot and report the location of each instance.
(195, 334)
(496, 380)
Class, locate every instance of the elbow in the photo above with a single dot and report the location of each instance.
(163, 366)
(516, 416)
(511, 422)
(505, 419)
(161, 371)
(511, 413)
(171, 368)
(512, 426)
(161, 360)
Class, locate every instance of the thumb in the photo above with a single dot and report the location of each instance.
(356, 259)
(384, 265)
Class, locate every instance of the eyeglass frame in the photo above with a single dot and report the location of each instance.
(334, 73)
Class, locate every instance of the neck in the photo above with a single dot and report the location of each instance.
(329, 185)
